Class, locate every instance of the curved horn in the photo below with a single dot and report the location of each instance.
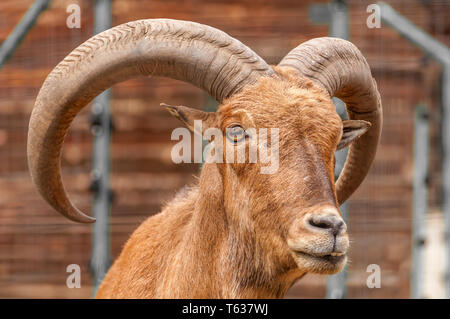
(195, 53)
(339, 67)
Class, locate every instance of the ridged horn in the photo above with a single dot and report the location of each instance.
(339, 67)
(187, 51)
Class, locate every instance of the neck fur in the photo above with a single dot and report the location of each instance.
(226, 255)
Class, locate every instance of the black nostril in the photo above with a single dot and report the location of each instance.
(328, 222)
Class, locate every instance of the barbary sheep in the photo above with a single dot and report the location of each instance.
(237, 233)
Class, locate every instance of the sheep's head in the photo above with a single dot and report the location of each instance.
(296, 205)
(292, 203)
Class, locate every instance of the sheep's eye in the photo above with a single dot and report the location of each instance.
(235, 134)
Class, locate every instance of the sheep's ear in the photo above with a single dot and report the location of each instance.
(352, 129)
(188, 115)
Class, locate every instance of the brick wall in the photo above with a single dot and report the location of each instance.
(36, 244)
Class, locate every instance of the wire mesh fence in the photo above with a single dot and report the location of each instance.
(37, 245)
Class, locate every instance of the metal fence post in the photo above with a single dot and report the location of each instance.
(421, 152)
(22, 28)
(101, 128)
(335, 14)
(337, 284)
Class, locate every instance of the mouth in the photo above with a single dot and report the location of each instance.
(325, 256)
(334, 258)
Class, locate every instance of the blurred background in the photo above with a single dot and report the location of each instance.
(395, 219)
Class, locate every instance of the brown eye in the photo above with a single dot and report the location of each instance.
(235, 134)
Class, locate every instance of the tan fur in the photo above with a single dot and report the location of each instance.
(227, 236)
